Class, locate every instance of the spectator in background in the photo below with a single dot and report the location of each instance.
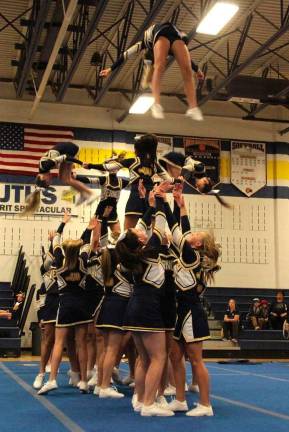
(264, 317)
(5, 314)
(254, 314)
(231, 322)
(18, 305)
(278, 311)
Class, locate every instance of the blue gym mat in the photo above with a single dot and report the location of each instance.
(244, 397)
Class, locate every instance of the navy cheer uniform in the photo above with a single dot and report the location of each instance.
(192, 322)
(47, 295)
(144, 307)
(114, 306)
(111, 186)
(138, 170)
(61, 152)
(151, 35)
(73, 308)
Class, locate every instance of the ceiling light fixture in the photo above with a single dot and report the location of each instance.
(217, 17)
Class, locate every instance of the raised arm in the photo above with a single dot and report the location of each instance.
(129, 53)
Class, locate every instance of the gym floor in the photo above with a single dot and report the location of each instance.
(244, 397)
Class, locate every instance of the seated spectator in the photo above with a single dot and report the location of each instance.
(231, 322)
(264, 317)
(278, 311)
(18, 305)
(254, 314)
(5, 314)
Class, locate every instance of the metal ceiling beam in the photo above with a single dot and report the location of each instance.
(260, 108)
(27, 56)
(246, 63)
(158, 4)
(99, 10)
(69, 13)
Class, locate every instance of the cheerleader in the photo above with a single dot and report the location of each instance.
(163, 40)
(61, 157)
(118, 287)
(111, 186)
(143, 318)
(197, 263)
(71, 261)
(48, 305)
(143, 167)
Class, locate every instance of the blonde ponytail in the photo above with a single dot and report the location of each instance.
(32, 203)
(210, 255)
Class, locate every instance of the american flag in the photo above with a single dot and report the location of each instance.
(21, 146)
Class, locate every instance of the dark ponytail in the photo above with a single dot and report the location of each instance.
(146, 148)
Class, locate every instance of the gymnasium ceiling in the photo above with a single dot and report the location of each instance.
(255, 43)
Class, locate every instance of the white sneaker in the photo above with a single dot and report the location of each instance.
(134, 399)
(194, 388)
(38, 382)
(138, 406)
(155, 410)
(110, 392)
(132, 384)
(80, 199)
(176, 405)
(83, 386)
(48, 368)
(186, 387)
(48, 387)
(157, 111)
(200, 411)
(195, 114)
(93, 380)
(170, 390)
(162, 402)
(128, 380)
(115, 376)
(74, 378)
(91, 198)
(96, 390)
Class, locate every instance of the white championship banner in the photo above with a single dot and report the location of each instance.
(248, 166)
(12, 199)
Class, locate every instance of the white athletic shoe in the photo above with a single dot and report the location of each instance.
(194, 388)
(157, 111)
(110, 392)
(170, 390)
(138, 406)
(38, 382)
(162, 402)
(93, 380)
(83, 386)
(176, 405)
(155, 410)
(91, 198)
(96, 390)
(48, 368)
(200, 411)
(48, 387)
(74, 378)
(134, 399)
(195, 114)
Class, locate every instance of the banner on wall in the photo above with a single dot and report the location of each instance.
(207, 151)
(12, 200)
(248, 166)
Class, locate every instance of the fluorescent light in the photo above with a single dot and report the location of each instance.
(142, 104)
(217, 17)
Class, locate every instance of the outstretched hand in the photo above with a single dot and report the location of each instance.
(51, 235)
(105, 72)
(93, 223)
